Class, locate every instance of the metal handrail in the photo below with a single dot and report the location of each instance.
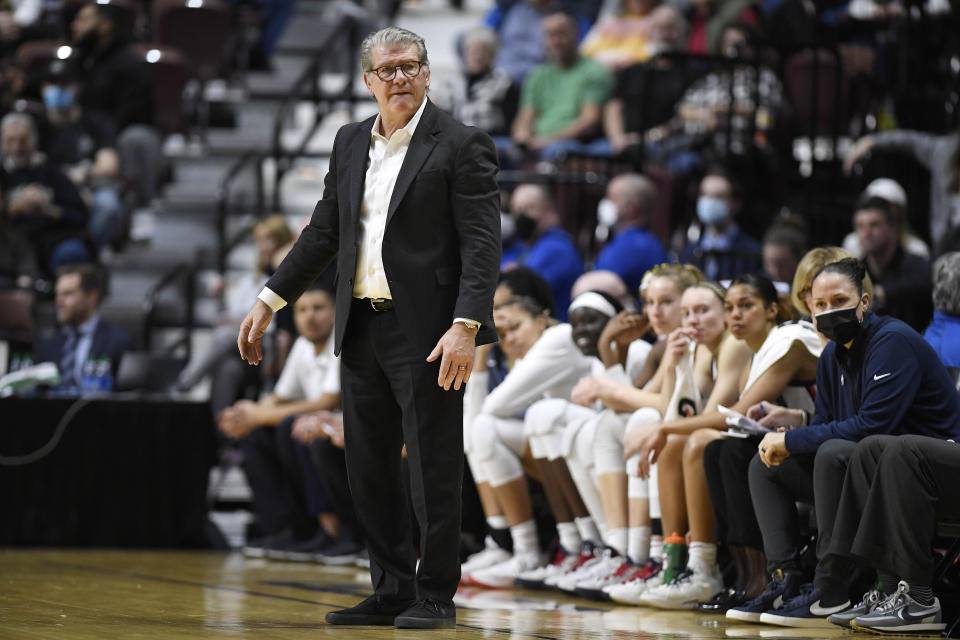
(186, 272)
(223, 202)
(347, 25)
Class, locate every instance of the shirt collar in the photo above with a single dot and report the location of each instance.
(85, 329)
(408, 128)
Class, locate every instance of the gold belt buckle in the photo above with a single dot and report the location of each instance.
(376, 302)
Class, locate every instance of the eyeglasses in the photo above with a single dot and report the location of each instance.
(388, 72)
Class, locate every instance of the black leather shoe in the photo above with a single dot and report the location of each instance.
(722, 600)
(428, 614)
(372, 611)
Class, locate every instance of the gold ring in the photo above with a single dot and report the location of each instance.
(462, 367)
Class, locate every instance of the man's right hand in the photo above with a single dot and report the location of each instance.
(249, 341)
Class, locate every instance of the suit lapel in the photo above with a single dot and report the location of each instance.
(357, 166)
(421, 145)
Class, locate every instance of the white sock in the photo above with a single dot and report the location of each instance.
(617, 538)
(588, 530)
(656, 547)
(498, 522)
(638, 544)
(569, 536)
(703, 558)
(525, 537)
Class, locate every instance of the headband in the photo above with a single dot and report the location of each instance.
(595, 301)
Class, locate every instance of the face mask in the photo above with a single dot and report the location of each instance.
(57, 98)
(712, 210)
(526, 226)
(840, 325)
(607, 213)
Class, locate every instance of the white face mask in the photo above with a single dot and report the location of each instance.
(607, 213)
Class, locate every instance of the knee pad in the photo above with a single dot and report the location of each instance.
(637, 487)
(483, 435)
(608, 444)
(580, 452)
(503, 466)
(545, 416)
(478, 469)
(642, 417)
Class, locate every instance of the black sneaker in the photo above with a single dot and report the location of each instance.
(303, 550)
(900, 614)
(723, 601)
(338, 553)
(428, 614)
(782, 587)
(262, 547)
(374, 611)
(870, 601)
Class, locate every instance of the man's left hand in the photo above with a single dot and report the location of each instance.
(240, 419)
(457, 347)
(773, 449)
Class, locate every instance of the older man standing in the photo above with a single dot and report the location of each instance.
(410, 210)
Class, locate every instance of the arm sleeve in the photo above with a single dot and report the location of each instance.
(598, 86)
(317, 245)
(883, 402)
(546, 364)
(475, 201)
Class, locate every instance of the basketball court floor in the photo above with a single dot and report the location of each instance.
(101, 595)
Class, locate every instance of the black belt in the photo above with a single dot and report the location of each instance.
(377, 304)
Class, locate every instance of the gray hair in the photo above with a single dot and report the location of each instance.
(391, 38)
(17, 119)
(484, 35)
(946, 284)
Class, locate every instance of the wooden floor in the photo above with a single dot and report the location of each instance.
(146, 594)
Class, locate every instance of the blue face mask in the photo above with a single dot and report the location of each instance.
(712, 210)
(57, 98)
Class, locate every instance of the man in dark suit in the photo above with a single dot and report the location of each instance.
(83, 335)
(410, 210)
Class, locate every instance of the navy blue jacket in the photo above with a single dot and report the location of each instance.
(108, 341)
(890, 381)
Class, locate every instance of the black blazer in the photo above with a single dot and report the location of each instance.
(108, 341)
(441, 245)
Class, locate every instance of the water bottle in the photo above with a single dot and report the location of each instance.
(104, 374)
(15, 363)
(675, 557)
(88, 378)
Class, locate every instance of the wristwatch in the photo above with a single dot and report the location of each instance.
(469, 324)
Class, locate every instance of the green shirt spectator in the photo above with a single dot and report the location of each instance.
(557, 95)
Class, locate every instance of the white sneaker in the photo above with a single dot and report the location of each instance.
(562, 562)
(602, 565)
(490, 555)
(593, 587)
(646, 577)
(684, 592)
(588, 553)
(502, 575)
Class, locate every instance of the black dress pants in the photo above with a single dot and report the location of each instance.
(391, 398)
(815, 479)
(331, 465)
(725, 462)
(896, 489)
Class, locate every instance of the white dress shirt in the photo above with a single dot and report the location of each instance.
(384, 160)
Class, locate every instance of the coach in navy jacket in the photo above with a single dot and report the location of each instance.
(890, 381)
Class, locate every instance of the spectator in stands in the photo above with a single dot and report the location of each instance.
(645, 95)
(82, 142)
(84, 337)
(783, 246)
(707, 19)
(549, 250)
(273, 239)
(284, 499)
(629, 203)
(943, 334)
(518, 23)
(722, 251)
(621, 40)
(561, 101)
(118, 83)
(40, 201)
(901, 281)
(18, 19)
(705, 114)
(607, 282)
(865, 386)
(941, 156)
(892, 482)
(890, 191)
(481, 96)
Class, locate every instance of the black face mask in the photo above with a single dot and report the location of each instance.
(840, 325)
(526, 226)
